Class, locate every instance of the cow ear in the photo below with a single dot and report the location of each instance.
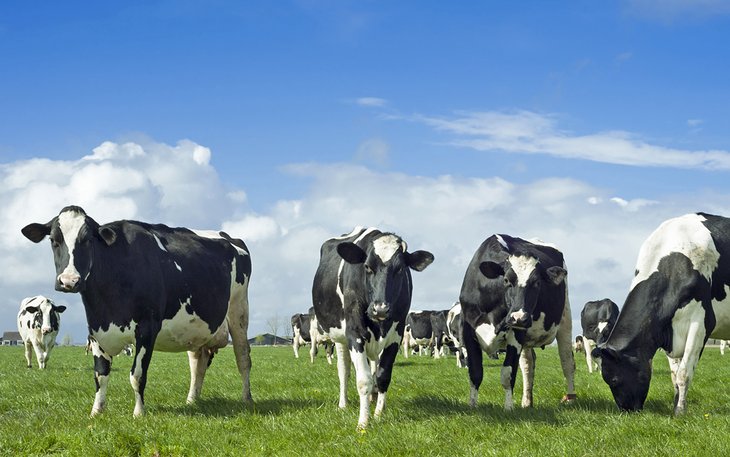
(31, 309)
(491, 270)
(419, 260)
(556, 274)
(351, 252)
(108, 235)
(59, 309)
(36, 232)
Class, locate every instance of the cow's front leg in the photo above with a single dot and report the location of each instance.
(343, 372)
(527, 365)
(673, 367)
(565, 351)
(145, 342)
(383, 376)
(508, 373)
(102, 368)
(199, 361)
(473, 362)
(28, 356)
(364, 381)
(39, 354)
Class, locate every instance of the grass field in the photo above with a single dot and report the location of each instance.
(295, 412)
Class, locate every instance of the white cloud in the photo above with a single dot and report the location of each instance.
(527, 132)
(375, 151)
(374, 102)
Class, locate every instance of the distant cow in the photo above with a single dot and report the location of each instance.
(515, 296)
(162, 288)
(441, 338)
(361, 295)
(319, 338)
(677, 300)
(38, 322)
(455, 324)
(418, 332)
(723, 345)
(597, 319)
(300, 330)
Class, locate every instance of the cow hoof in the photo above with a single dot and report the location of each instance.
(569, 398)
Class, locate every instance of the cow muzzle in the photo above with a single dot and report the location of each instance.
(378, 311)
(68, 282)
(519, 320)
(46, 330)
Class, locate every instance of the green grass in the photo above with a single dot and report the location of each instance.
(295, 412)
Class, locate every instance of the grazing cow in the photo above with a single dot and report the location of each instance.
(677, 300)
(361, 295)
(455, 324)
(441, 338)
(319, 337)
(515, 296)
(300, 329)
(597, 319)
(162, 288)
(38, 322)
(418, 332)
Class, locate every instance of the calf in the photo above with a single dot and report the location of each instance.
(515, 296)
(38, 322)
(597, 319)
(361, 295)
(300, 329)
(161, 288)
(677, 300)
(455, 324)
(418, 332)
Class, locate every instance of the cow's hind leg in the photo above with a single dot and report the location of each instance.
(565, 350)
(473, 362)
(383, 376)
(199, 361)
(238, 328)
(102, 369)
(683, 370)
(343, 371)
(527, 364)
(145, 342)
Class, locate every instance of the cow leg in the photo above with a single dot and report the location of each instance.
(473, 362)
(39, 354)
(238, 328)
(684, 370)
(673, 367)
(102, 368)
(364, 381)
(295, 346)
(313, 350)
(383, 376)
(144, 344)
(343, 372)
(508, 373)
(587, 346)
(199, 361)
(406, 344)
(28, 349)
(565, 350)
(527, 365)
(328, 349)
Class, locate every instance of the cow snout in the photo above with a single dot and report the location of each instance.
(67, 282)
(379, 311)
(46, 330)
(519, 320)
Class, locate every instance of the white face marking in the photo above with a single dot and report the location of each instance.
(178, 266)
(523, 267)
(213, 235)
(70, 224)
(159, 243)
(684, 234)
(386, 247)
(601, 326)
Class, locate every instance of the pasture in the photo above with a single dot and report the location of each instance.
(295, 411)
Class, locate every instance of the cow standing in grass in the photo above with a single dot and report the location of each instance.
(677, 300)
(455, 325)
(300, 330)
(418, 333)
(361, 296)
(597, 320)
(161, 288)
(38, 322)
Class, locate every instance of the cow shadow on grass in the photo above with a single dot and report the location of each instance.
(226, 407)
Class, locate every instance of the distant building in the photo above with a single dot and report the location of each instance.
(11, 339)
(267, 339)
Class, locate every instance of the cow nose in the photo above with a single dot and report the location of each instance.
(379, 310)
(46, 330)
(68, 281)
(519, 319)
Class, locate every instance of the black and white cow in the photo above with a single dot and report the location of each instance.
(300, 329)
(441, 338)
(319, 338)
(677, 300)
(162, 288)
(597, 319)
(38, 323)
(418, 333)
(455, 324)
(515, 296)
(361, 295)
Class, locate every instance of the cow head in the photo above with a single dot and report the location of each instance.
(45, 313)
(385, 261)
(628, 377)
(522, 282)
(73, 236)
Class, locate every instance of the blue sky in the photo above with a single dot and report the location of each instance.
(583, 123)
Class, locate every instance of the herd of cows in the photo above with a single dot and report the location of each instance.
(175, 289)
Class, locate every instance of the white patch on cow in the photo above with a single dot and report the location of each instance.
(177, 266)
(70, 223)
(113, 340)
(685, 234)
(489, 340)
(136, 375)
(186, 332)
(722, 317)
(523, 266)
(601, 325)
(374, 348)
(214, 235)
(540, 242)
(159, 243)
(501, 241)
(685, 325)
(386, 247)
(518, 315)
(537, 335)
